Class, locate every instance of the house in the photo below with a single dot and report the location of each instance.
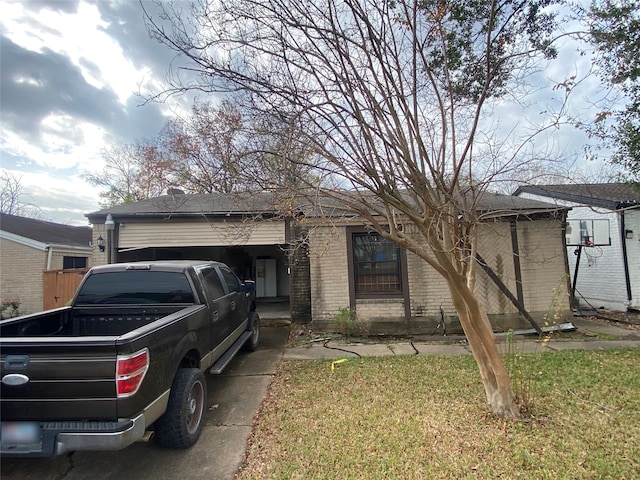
(603, 241)
(316, 262)
(30, 248)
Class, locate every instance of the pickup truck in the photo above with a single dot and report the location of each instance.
(128, 355)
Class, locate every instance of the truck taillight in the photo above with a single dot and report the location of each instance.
(130, 370)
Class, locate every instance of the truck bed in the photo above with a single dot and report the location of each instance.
(89, 321)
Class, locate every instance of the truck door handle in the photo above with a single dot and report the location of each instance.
(233, 305)
(16, 362)
(216, 316)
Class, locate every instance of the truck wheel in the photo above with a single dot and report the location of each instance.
(181, 424)
(252, 342)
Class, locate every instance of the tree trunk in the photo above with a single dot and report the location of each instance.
(479, 333)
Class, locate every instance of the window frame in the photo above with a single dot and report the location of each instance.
(352, 232)
(74, 259)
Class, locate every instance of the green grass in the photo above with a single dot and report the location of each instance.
(415, 417)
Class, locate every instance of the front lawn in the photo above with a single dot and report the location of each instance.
(424, 417)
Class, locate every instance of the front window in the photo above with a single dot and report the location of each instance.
(376, 263)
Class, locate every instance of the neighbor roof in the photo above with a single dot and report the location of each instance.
(45, 232)
(608, 195)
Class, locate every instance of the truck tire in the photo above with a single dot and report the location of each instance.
(181, 424)
(252, 342)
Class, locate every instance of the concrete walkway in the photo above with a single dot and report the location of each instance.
(597, 335)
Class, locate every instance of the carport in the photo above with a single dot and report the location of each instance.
(247, 233)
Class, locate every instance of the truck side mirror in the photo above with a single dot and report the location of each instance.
(249, 286)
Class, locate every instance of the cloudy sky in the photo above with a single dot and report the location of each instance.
(70, 73)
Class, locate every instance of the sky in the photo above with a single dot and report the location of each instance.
(70, 76)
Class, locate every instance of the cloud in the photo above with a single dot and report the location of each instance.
(36, 86)
(69, 82)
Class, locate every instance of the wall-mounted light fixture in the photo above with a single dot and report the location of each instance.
(109, 224)
(628, 234)
(100, 242)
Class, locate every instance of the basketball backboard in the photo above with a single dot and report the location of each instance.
(588, 233)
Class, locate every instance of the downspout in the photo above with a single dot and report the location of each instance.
(49, 256)
(625, 259)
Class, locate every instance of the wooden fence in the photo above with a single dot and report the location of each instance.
(60, 286)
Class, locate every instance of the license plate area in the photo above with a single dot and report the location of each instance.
(21, 436)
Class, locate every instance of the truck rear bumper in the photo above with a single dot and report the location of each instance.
(58, 438)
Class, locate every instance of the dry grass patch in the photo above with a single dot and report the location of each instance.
(417, 417)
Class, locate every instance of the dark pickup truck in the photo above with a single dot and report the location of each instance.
(128, 355)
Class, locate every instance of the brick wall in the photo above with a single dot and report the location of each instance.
(21, 270)
(300, 279)
(329, 274)
(542, 265)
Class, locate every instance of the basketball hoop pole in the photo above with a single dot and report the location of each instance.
(578, 252)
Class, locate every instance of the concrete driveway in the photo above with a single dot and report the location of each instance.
(234, 399)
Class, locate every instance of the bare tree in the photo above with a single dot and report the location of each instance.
(12, 197)
(207, 148)
(132, 172)
(393, 97)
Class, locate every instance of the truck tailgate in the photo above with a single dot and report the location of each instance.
(57, 379)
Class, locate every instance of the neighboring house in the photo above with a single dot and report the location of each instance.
(603, 241)
(322, 265)
(28, 249)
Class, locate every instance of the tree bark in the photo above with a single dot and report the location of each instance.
(479, 333)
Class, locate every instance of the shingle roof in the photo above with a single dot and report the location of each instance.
(608, 195)
(271, 203)
(46, 232)
(194, 205)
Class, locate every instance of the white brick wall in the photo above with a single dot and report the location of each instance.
(21, 270)
(542, 264)
(329, 272)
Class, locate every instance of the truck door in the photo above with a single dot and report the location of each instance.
(219, 305)
(237, 297)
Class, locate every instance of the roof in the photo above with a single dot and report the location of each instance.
(194, 205)
(613, 196)
(45, 232)
(271, 203)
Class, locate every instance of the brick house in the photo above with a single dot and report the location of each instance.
(29, 248)
(604, 263)
(310, 260)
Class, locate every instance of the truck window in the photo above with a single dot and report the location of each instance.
(135, 287)
(212, 284)
(233, 283)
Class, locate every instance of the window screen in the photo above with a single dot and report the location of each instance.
(376, 263)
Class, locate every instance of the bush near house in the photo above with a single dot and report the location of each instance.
(10, 308)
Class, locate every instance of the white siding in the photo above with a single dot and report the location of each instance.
(632, 222)
(601, 278)
(192, 234)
